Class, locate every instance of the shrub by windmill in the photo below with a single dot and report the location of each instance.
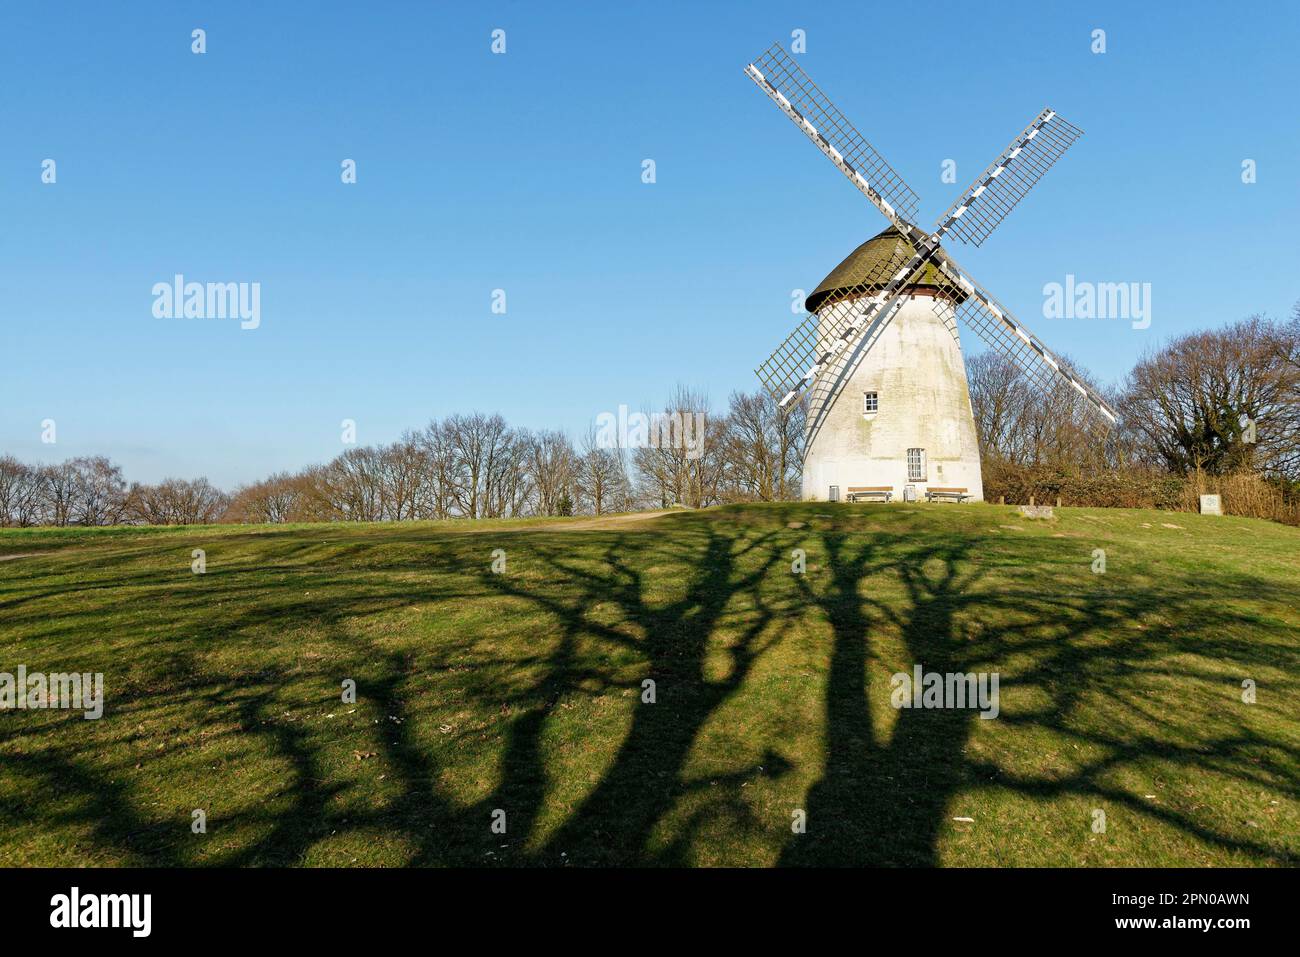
(878, 357)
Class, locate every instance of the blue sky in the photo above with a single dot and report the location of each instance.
(523, 172)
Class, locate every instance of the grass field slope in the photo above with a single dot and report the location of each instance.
(517, 696)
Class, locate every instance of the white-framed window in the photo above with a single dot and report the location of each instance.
(870, 402)
(916, 465)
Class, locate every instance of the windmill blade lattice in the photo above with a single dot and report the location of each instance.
(1009, 178)
(1002, 331)
(799, 97)
(822, 345)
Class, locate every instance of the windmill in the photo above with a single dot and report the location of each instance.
(878, 355)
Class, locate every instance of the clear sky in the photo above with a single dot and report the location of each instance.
(522, 172)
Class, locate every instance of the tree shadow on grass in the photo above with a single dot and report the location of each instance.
(888, 802)
(885, 790)
(613, 823)
(878, 802)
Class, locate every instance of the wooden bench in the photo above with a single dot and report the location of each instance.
(956, 494)
(867, 491)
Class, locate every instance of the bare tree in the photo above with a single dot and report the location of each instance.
(1285, 459)
(999, 395)
(435, 494)
(761, 448)
(1019, 425)
(600, 477)
(100, 491)
(682, 461)
(20, 493)
(401, 471)
(550, 464)
(58, 490)
(1220, 401)
(509, 488)
(175, 502)
(280, 498)
(483, 469)
(351, 486)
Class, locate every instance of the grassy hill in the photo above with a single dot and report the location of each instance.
(1121, 692)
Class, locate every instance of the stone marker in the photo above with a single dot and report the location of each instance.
(1210, 505)
(1037, 511)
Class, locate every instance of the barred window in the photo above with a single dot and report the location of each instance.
(916, 465)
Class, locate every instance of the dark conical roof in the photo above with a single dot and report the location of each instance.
(870, 267)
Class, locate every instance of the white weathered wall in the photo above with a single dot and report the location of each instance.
(915, 364)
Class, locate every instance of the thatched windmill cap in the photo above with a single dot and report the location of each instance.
(869, 268)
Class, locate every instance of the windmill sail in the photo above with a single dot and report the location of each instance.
(846, 323)
(777, 75)
(997, 190)
(1002, 331)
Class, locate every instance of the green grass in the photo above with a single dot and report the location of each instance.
(1119, 691)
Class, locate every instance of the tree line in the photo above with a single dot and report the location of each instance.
(473, 465)
(1209, 404)
(1217, 403)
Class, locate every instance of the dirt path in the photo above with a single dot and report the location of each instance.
(611, 521)
(9, 558)
(586, 524)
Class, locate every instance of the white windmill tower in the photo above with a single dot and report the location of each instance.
(879, 354)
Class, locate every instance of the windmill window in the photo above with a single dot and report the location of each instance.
(870, 402)
(916, 465)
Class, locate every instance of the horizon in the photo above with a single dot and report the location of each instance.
(522, 171)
